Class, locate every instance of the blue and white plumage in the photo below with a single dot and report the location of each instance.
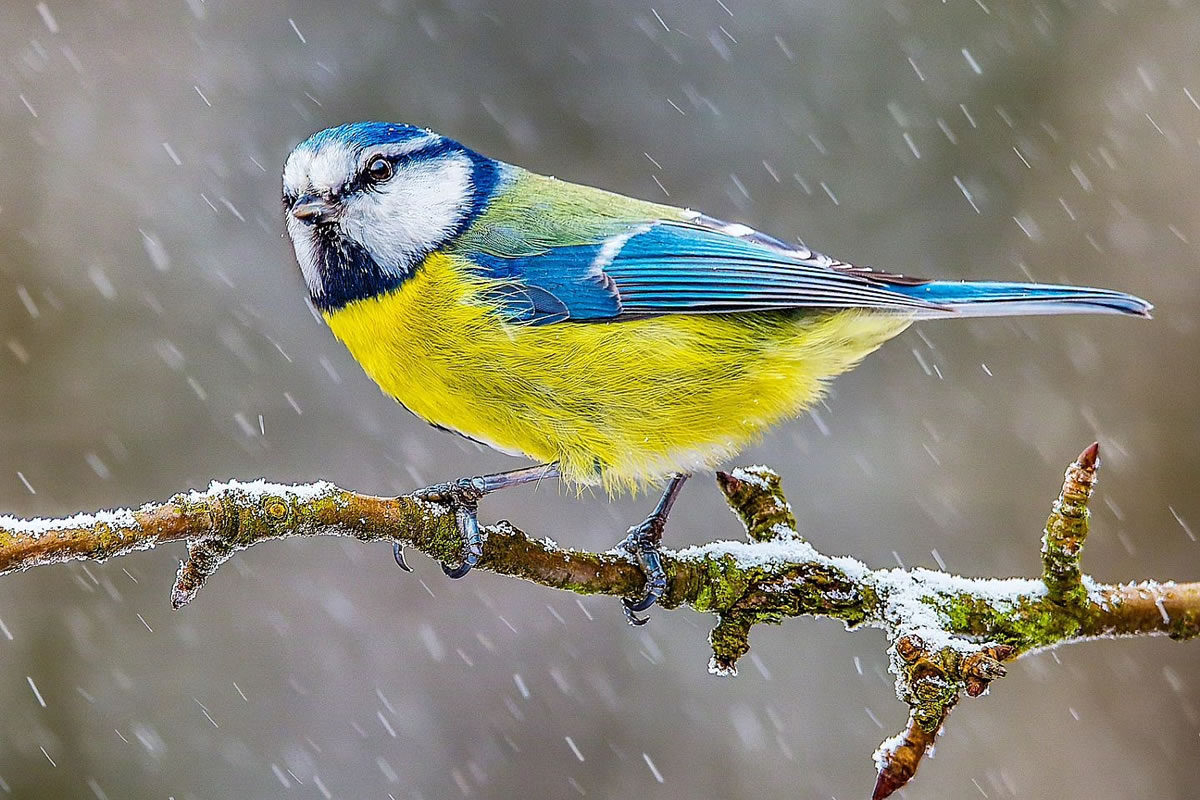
(378, 210)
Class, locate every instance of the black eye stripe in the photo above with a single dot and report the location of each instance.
(431, 150)
(362, 180)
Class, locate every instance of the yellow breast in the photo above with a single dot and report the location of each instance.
(614, 403)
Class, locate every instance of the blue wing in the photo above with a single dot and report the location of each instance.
(668, 267)
(704, 266)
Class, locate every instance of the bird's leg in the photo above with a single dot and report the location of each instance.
(642, 543)
(464, 495)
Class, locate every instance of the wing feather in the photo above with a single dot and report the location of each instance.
(686, 266)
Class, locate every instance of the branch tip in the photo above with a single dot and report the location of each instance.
(1089, 459)
(898, 758)
(1067, 529)
(730, 640)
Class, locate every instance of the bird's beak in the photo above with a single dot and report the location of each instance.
(314, 210)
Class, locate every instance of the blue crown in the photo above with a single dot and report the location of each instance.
(367, 134)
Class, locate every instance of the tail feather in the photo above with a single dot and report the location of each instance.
(950, 299)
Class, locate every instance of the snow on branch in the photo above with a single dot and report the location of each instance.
(947, 634)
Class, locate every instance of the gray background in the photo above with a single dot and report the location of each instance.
(150, 313)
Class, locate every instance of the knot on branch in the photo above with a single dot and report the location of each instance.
(1067, 529)
(928, 677)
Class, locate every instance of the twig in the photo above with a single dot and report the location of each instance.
(947, 634)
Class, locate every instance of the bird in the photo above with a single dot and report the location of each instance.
(615, 342)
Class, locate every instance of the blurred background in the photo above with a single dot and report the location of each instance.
(154, 336)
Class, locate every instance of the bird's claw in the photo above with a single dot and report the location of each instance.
(463, 496)
(642, 544)
(467, 520)
(398, 552)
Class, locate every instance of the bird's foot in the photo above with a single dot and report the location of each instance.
(642, 543)
(463, 495)
(463, 491)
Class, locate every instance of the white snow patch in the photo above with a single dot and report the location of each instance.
(123, 518)
(751, 475)
(716, 669)
(775, 553)
(36, 528)
(262, 489)
(886, 748)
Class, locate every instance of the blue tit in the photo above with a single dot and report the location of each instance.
(614, 341)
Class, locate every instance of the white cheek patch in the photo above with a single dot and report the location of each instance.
(404, 219)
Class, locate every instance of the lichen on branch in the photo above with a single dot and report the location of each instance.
(947, 635)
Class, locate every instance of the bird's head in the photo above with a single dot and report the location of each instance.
(366, 202)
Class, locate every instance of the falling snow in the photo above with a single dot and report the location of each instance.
(156, 338)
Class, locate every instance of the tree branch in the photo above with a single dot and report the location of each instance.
(947, 634)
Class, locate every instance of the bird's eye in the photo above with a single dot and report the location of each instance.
(379, 169)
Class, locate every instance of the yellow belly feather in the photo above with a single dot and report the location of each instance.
(616, 404)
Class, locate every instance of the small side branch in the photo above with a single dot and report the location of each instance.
(204, 556)
(948, 635)
(1067, 529)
